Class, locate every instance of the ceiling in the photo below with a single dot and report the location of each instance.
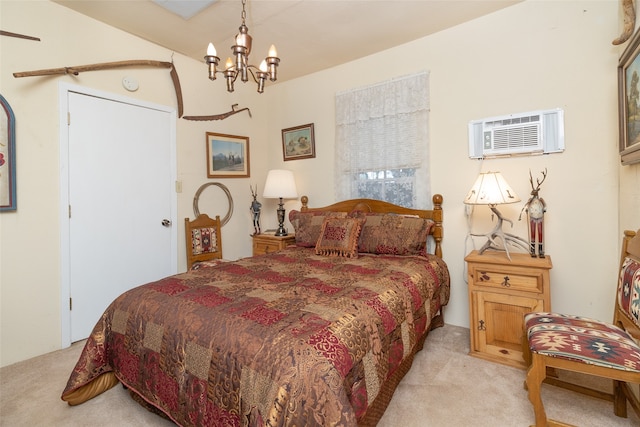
(310, 35)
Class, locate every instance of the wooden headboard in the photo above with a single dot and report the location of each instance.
(371, 205)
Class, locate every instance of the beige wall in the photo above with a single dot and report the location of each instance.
(534, 55)
(30, 300)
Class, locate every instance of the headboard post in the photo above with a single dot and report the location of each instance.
(438, 231)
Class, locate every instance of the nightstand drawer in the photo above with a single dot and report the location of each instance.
(507, 278)
(263, 247)
(268, 243)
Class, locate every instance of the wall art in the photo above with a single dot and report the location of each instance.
(7, 157)
(227, 156)
(298, 142)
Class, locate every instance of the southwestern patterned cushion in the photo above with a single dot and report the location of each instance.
(339, 237)
(204, 240)
(307, 225)
(393, 234)
(582, 339)
(629, 289)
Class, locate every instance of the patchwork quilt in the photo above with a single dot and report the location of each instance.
(285, 339)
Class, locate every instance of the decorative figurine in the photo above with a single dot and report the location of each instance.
(535, 208)
(255, 210)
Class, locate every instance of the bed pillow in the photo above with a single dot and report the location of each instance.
(393, 234)
(339, 237)
(307, 225)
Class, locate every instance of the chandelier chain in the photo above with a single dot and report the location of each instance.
(244, 13)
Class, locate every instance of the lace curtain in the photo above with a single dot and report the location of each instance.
(380, 128)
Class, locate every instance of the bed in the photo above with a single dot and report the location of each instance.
(320, 333)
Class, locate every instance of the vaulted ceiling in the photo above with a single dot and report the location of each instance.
(310, 35)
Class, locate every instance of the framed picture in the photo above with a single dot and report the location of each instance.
(227, 156)
(629, 102)
(298, 143)
(7, 157)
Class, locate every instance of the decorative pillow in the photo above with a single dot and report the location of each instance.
(307, 225)
(393, 234)
(339, 237)
(629, 289)
(204, 240)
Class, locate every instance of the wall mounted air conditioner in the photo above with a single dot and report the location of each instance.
(535, 132)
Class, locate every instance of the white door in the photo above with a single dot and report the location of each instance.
(120, 191)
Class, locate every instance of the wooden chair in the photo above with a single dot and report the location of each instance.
(610, 350)
(203, 239)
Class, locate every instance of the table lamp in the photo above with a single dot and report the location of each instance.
(491, 189)
(280, 185)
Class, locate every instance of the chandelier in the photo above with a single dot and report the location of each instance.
(241, 51)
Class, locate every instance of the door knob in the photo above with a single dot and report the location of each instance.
(166, 223)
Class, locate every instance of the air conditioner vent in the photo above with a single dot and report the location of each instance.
(514, 120)
(516, 137)
(527, 133)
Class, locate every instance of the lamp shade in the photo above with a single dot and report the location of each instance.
(280, 184)
(491, 189)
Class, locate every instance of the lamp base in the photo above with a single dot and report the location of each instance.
(498, 233)
(281, 231)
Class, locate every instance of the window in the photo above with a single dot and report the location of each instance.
(396, 186)
(382, 142)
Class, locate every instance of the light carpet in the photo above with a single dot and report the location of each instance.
(445, 387)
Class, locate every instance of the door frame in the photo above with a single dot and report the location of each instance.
(65, 266)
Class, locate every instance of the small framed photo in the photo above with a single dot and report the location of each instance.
(629, 102)
(227, 156)
(298, 142)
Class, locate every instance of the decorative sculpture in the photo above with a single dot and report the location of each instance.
(629, 22)
(77, 69)
(222, 116)
(20, 36)
(255, 210)
(535, 208)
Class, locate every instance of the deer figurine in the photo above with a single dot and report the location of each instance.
(255, 210)
(535, 208)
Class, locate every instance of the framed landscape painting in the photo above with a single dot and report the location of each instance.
(298, 142)
(227, 156)
(629, 102)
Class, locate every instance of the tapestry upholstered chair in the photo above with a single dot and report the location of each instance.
(203, 239)
(558, 341)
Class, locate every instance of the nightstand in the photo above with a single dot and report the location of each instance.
(500, 293)
(266, 243)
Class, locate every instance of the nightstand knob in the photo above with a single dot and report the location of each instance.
(481, 326)
(506, 283)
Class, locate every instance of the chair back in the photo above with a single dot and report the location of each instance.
(627, 309)
(203, 239)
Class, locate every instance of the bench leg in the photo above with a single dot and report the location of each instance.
(619, 399)
(535, 376)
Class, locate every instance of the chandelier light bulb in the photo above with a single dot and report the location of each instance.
(263, 66)
(228, 64)
(211, 50)
(273, 52)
